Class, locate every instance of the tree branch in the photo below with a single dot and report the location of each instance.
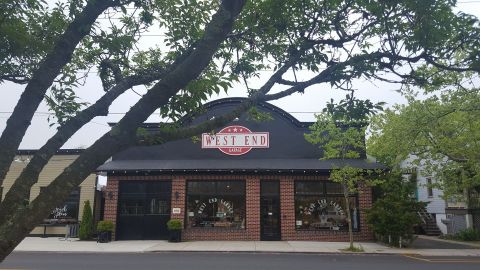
(43, 77)
(20, 189)
(162, 137)
(123, 134)
(20, 79)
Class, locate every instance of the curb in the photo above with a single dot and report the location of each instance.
(216, 251)
(323, 253)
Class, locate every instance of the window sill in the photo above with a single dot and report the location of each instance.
(325, 230)
(215, 229)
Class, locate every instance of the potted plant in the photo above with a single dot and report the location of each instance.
(175, 228)
(104, 231)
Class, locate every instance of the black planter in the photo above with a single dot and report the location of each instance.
(175, 236)
(104, 237)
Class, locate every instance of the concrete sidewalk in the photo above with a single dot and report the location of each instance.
(53, 244)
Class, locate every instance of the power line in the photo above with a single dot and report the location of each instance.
(123, 113)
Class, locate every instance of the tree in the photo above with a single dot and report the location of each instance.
(340, 132)
(86, 229)
(207, 46)
(441, 133)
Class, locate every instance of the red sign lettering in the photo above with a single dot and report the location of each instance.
(235, 140)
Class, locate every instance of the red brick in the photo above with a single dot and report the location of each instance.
(252, 230)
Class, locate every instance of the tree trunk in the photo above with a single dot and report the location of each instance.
(18, 225)
(349, 217)
(42, 79)
(20, 190)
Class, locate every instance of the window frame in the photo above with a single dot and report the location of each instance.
(353, 197)
(429, 186)
(187, 194)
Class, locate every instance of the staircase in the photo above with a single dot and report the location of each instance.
(429, 224)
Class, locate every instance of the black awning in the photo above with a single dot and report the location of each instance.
(235, 165)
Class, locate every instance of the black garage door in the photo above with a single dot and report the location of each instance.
(143, 210)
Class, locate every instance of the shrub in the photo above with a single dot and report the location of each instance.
(174, 224)
(392, 218)
(86, 225)
(468, 235)
(105, 226)
(394, 214)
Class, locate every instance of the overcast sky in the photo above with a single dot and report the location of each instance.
(302, 106)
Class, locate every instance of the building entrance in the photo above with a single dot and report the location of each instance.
(143, 210)
(270, 211)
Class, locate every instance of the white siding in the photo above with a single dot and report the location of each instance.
(436, 202)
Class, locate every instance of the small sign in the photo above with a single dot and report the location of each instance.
(298, 223)
(176, 210)
(236, 140)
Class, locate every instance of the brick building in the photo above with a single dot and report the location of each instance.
(247, 181)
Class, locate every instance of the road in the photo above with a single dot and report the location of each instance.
(231, 261)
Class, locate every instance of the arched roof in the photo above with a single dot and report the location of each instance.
(288, 151)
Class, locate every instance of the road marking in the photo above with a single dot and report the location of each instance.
(442, 260)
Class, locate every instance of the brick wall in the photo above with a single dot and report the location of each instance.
(178, 187)
(111, 202)
(252, 228)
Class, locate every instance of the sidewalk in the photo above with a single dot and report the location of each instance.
(471, 244)
(53, 244)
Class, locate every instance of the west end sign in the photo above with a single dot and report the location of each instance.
(235, 140)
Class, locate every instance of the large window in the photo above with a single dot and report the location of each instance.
(321, 206)
(216, 204)
(68, 211)
(144, 198)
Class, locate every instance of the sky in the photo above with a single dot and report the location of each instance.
(301, 106)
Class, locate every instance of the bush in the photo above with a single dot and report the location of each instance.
(174, 224)
(86, 225)
(394, 215)
(392, 218)
(468, 235)
(105, 226)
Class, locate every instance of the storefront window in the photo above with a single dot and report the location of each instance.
(68, 211)
(218, 204)
(321, 206)
(144, 198)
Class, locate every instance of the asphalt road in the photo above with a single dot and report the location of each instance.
(231, 261)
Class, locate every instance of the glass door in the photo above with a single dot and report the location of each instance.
(270, 210)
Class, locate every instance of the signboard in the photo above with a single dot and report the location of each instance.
(176, 211)
(235, 140)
